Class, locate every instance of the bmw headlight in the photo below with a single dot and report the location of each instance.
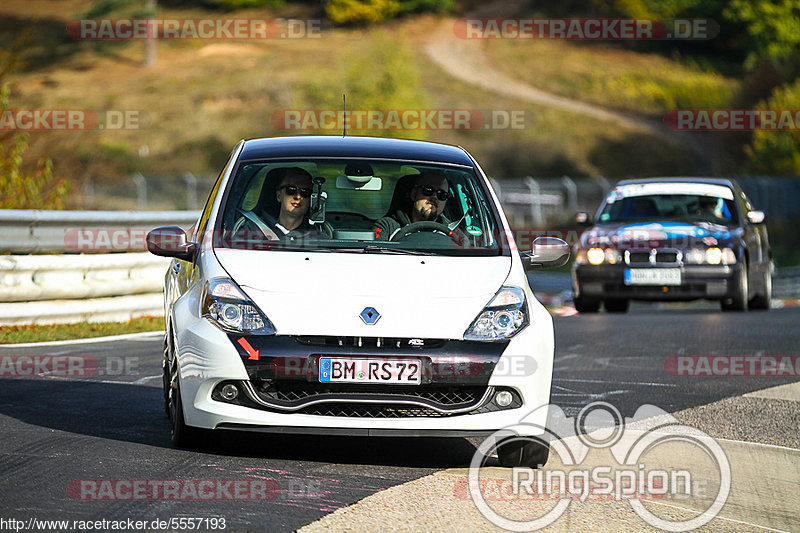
(227, 305)
(598, 256)
(709, 256)
(502, 318)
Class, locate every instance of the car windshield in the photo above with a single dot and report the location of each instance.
(654, 202)
(358, 205)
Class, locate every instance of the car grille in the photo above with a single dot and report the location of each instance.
(361, 410)
(299, 392)
(370, 342)
(648, 257)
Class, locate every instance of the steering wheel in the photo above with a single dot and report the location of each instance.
(415, 227)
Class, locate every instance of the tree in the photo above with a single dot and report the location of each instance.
(777, 152)
(22, 188)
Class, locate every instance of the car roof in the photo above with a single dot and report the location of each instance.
(354, 146)
(680, 179)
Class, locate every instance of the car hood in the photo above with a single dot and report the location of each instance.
(325, 293)
(668, 234)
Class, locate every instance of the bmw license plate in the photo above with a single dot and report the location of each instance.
(652, 276)
(393, 371)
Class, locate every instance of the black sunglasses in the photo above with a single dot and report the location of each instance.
(427, 190)
(291, 190)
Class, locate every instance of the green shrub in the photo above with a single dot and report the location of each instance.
(361, 12)
(777, 152)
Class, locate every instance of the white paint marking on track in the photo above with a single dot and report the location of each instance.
(617, 382)
(717, 517)
(145, 335)
(142, 381)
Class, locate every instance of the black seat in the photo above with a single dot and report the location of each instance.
(401, 199)
(268, 202)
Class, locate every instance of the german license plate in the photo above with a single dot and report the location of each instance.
(393, 371)
(652, 276)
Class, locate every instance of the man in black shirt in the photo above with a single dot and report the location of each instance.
(426, 201)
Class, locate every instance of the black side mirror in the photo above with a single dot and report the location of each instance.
(582, 218)
(546, 252)
(170, 241)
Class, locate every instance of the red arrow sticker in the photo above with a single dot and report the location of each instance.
(249, 349)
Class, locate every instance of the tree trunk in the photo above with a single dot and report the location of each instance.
(150, 42)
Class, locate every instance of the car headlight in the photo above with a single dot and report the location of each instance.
(595, 256)
(502, 318)
(227, 305)
(709, 256)
(713, 256)
(598, 256)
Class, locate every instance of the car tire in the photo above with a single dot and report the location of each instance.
(523, 451)
(165, 377)
(182, 436)
(617, 306)
(762, 301)
(738, 302)
(582, 305)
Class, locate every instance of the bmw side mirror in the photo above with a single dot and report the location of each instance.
(546, 252)
(170, 241)
(582, 218)
(756, 217)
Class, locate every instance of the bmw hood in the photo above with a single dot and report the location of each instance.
(327, 293)
(678, 235)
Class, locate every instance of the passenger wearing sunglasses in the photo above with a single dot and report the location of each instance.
(291, 203)
(424, 202)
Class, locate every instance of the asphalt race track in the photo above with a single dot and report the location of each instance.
(110, 424)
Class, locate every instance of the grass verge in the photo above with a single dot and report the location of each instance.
(81, 330)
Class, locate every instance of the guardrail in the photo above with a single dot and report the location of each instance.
(26, 231)
(81, 282)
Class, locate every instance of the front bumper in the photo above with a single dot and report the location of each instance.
(599, 282)
(285, 376)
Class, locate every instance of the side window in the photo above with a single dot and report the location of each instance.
(203, 223)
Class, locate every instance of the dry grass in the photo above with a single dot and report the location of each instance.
(82, 330)
(202, 96)
(611, 76)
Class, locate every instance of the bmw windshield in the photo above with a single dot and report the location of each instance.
(686, 202)
(358, 205)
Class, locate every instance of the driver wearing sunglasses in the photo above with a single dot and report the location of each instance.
(428, 196)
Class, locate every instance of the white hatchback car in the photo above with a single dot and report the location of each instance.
(355, 286)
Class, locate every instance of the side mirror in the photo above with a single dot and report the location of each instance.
(546, 252)
(170, 241)
(756, 217)
(582, 218)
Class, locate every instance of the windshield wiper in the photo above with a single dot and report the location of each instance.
(375, 249)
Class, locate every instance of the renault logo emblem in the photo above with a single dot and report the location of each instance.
(370, 316)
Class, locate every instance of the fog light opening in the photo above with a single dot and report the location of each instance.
(229, 392)
(503, 398)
